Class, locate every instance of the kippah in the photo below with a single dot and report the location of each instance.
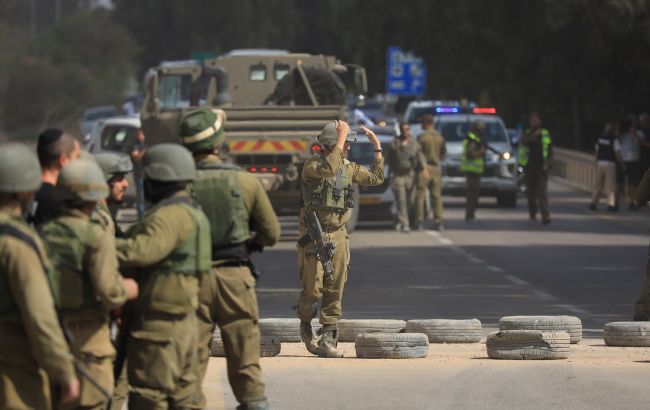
(49, 136)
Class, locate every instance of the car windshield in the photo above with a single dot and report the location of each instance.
(456, 130)
(118, 138)
(363, 152)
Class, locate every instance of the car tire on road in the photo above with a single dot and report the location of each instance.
(570, 324)
(528, 345)
(627, 334)
(350, 328)
(286, 330)
(447, 331)
(270, 346)
(391, 345)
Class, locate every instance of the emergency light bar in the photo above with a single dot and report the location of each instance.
(441, 110)
(484, 110)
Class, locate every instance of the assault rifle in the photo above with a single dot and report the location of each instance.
(324, 250)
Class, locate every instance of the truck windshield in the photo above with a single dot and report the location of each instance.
(177, 91)
(456, 130)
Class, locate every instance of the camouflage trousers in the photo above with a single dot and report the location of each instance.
(313, 286)
(402, 186)
(434, 186)
(227, 298)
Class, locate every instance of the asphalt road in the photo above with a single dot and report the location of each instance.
(586, 264)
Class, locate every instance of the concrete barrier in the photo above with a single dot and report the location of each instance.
(577, 169)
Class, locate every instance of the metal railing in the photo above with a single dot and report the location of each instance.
(575, 168)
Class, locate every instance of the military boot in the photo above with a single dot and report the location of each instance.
(261, 404)
(327, 345)
(307, 337)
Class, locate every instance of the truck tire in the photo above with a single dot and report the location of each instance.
(350, 328)
(528, 345)
(391, 345)
(627, 334)
(354, 215)
(216, 345)
(286, 330)
(570, 324)
(507, 200)
(447, 331)
(270, 346)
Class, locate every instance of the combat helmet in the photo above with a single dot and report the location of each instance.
(329, 136)
(20, 170)
(169, 163)
(203, 130)
(113, 164)
(82, 180)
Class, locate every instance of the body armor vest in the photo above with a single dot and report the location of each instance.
(332, 194)
(217, 191)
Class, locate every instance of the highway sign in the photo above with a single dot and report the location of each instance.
(406, 73)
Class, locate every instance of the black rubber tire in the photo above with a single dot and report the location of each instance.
(528, 345)
(286, 330)
(627, 334)
(348, 329)
(570, 324)
(270, 346)
(447, 331)
(391, 345)
(508, 200)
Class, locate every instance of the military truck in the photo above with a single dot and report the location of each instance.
(276, 103)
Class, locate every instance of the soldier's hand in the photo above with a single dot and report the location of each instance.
(131, 287)
(371, 136)
(70, 392)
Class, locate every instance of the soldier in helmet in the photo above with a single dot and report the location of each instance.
(234, 201)
(115, 168)
(33, 351)
(170, 250)
(327, 181)
(86, 282)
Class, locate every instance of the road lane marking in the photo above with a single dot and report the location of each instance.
(516, 280)
(495, 269)
(473, 258)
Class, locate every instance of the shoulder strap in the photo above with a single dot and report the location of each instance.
(14, 232)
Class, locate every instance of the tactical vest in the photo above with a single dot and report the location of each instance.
(217, 191)
(524, 150)
(473, 165)
(8, 307)
(606, 149)
(332, 194)
(190, 257)
(404, 158)
(69, 246)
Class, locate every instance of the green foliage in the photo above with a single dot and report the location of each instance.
(83, 60)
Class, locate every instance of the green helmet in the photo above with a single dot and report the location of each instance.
(20, 170)
(82, 179)
(113, 163)
(169, 163)
(87, 156)
(202, 130)
(330, 136)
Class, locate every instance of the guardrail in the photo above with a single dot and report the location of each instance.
(575, 168)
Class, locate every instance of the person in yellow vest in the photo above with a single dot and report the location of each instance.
(234, 201)
(86, 282)
(535, 157)
(33, 351)
(473, 164)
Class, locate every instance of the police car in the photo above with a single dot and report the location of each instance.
(453, 121)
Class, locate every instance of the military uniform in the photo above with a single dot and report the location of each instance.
(535, 156)
(86, 282)
(321, 176)
(170, 250)
(403, 162)
(472, 164)
(233, 201)
(33, 350)
(642, 306)
(433, 149)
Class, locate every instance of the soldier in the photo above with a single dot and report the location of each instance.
(55, 149)
(327, 180)
(86, 283)
(33, 351)
(472, 164)
(233, 201)
(404, 159)
(169, 250)
(642, 306)
(434, 151)
(535, 156)
(115, 168)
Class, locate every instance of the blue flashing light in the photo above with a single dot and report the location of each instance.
(441, 110)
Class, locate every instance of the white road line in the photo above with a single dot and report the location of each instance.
(516, 280)
(475, 259)
(495, 269)
(543, 295)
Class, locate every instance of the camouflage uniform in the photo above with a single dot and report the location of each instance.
(404, 161)
(433, 149)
